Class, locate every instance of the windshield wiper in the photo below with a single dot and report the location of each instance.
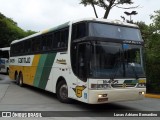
(134, 71)
(112, 77)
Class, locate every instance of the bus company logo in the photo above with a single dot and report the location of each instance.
(78, 90)
(132, 42)
(24, 60)
(111, 81)
(12, 60)
(61, 61)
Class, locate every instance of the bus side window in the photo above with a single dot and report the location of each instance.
(36, 43)
(79, 30)
(47, 42)
(21, 47)
(27, 46)
(44, 46)
(64, 38)
(56, 42)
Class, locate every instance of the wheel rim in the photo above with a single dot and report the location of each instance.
(64, 92)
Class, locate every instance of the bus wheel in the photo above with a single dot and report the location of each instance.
(21, 80)
(17, 79)
(7, 71)
(62, 92)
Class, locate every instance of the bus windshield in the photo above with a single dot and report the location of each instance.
(116, 60)
(114, 31)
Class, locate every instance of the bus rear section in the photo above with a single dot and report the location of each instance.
(4, 60)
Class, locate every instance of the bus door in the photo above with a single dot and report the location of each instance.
(82, 66)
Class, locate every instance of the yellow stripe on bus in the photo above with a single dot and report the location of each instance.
(31, 71)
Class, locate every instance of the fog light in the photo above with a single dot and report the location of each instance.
(141, 93)
(100, 96)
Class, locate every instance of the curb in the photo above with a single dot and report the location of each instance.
(152, 96)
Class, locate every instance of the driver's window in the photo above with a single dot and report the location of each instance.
(81, 61)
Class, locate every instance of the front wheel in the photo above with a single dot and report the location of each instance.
(62, 92)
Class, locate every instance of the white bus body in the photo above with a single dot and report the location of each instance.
(90, 60)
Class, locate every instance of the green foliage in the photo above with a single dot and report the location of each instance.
(151, 35)
(9, 31)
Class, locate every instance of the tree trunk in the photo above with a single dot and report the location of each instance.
(107, 13)
(108, 9)
(95, 12)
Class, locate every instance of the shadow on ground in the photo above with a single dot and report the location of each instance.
(82, 106)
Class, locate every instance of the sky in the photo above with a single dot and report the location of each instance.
(38, 15)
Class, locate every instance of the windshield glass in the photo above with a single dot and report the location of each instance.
(114, 32)
(114, 60)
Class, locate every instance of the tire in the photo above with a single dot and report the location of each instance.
(21, 80)
(62, 92)
(7, 71)
(17, 79)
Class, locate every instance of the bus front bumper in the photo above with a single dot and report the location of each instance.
(115, 95)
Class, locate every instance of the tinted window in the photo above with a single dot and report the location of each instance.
(56, 43)
(27, 46)
(47, 42)
(56, 40)
(36, 44)
(61, 38)
(79, 30)
(113, 31)
(64, 38)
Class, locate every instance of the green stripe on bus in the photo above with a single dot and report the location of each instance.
(39, 70)
(46, 70)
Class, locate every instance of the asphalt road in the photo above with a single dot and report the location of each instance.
(15, 98)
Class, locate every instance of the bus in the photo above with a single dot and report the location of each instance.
(90, 60)
(4, 60)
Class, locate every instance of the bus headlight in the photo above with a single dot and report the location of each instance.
(100, 86)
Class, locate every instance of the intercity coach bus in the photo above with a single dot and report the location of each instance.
(4, 60)
(90, 60)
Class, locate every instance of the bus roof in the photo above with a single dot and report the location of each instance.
(5, 49)
(116, 22)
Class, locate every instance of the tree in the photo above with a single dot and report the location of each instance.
(130, 14)
(156, 21)
(92, 3)
(9, 31)
(107, 5)
(151, 35)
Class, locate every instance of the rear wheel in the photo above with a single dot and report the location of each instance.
(17, 79)
(62, 92)
(21, 80)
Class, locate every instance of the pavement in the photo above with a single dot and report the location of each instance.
(15, 98)
(5, 79)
